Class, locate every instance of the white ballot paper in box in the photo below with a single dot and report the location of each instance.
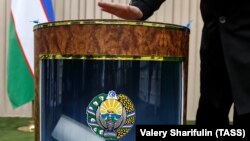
(67, 129)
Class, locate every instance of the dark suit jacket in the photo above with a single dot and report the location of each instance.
(230, 22)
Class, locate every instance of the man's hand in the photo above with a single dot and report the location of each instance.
(123, 11)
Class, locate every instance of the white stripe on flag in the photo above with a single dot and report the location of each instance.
(24, 12)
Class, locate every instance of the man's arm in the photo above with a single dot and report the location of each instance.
(147, 7)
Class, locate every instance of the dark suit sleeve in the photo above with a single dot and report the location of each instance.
(148, 7)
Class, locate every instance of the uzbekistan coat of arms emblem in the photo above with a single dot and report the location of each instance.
(111, 116)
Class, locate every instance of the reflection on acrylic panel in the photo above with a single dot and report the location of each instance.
(68, 86)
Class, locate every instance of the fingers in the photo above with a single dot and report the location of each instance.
(109, 8)
(111, 11)
(121, 10)
(112, 6)
(104, 4)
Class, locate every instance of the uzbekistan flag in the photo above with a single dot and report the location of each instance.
(20, 62)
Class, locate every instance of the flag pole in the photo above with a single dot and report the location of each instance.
(31, 127)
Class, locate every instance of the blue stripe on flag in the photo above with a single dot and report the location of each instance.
(48, 7)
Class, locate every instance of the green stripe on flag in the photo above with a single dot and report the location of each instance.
(20, 83)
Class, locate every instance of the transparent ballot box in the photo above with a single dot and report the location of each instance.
(97, 80)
